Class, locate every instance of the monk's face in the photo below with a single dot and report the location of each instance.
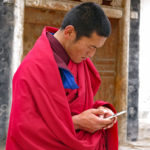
(85, 47)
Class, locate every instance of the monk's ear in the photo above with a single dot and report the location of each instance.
(69, 32)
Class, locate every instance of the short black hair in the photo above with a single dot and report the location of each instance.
(87, 18)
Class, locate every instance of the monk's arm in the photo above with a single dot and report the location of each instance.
(89, 120)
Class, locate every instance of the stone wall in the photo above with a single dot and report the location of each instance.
(133, 81)
(6, 36)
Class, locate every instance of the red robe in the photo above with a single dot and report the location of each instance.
(41, 114)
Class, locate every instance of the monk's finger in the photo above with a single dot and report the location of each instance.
(115, 120)
(97, 111)
(105, 122)
(109, 126)
(112, 124)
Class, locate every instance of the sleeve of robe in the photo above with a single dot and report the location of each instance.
(112, 133)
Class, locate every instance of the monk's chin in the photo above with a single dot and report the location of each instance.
(78, 62)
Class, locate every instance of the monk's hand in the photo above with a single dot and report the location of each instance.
(108, 112)
(90, 121)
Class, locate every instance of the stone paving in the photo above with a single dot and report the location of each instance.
(143, 142)
(2, 147)
(139, 145)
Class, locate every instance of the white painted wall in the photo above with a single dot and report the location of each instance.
(144, 63)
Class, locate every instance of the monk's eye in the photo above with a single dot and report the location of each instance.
(91, 47)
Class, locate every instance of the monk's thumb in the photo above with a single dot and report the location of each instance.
(98, 111)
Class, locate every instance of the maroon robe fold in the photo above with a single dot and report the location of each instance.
(41, 114)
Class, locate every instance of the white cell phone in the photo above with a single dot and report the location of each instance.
(117, 114)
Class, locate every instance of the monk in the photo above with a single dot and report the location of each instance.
(53, 89)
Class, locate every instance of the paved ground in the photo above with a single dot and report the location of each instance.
(143, 142)
(2, 148)
(139, 145)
